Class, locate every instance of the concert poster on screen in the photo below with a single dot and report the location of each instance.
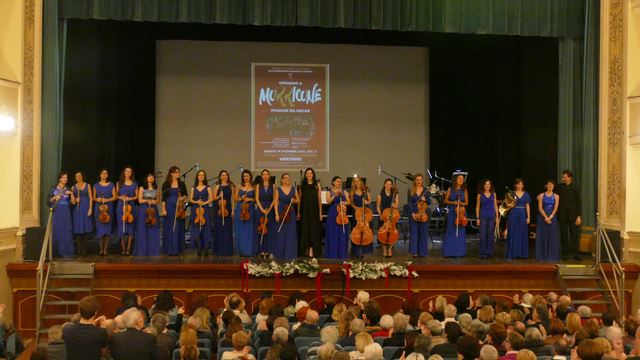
(290, 116)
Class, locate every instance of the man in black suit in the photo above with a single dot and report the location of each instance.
(569, 216)
(133, 344)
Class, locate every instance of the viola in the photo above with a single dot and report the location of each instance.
(421, 214)
(150, 216)
(127, 216)
(200, 220)
(222, 206)
(388, 233)
(180, 212)
(461, 215)
(342, 218)
(362, 233)
(104, 216)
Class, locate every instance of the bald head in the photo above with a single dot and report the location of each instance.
(312, 317)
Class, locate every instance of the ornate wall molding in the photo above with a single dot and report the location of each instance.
(612, 174)
(30, 127)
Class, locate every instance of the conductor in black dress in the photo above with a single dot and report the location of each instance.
(569, 216)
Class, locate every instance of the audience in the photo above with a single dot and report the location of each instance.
(484, 329)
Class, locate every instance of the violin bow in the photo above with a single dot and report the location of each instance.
(175, 215)
(457, 213)
(285, 216)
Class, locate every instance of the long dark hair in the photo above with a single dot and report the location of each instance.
(314, 181)
(122, 179)
(81, 174)
(481, 186)
(464, 182)
(219, 182)
(261, 182)
(518, 181)
(196, 182)
(167, 180)
(154, 185)
(393, 188)
(101, 171)
(245, 171)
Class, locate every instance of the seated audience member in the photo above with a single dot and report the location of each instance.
(435, 331)
(362, 339)
(373, 352)
(488, 352)
(561, 349)
(356, 327)
(371, 316)
(309, 328)
(525, 354)
(465, 322)
(468, 347)
(437, 309)
(409, 342)
(496, 337)
(608, 320)
(504, 319)
(362, 298)
(400, 322)
(573, 323)
(55, 345)
(263, 309)
(328, 335)
(449, 314)
(422, 345)
(204, 330)
(605, 345)
(585, 313)
(166, 343)
(329, 302)
(338, 312)
(234, 326)
(617, 347)
(452, 333)
(236, 304)
(281, 337)
(189, 344)
(84, 340)
(290, 310)
(133, 343)
(533, 341)
(464, 304)
(556, 331)
(422, 322)
(301, 315)
(478, 329)
(486, 314)
(240, 342)
(589, 350)
(386, 324)
(512, 345)
(265, 338)
(326, 352)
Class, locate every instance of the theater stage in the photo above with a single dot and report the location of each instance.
(189, 276)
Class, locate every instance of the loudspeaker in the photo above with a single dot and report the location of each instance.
(33, 243)
(614, 236)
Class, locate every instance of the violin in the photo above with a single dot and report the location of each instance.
(127, 216)
(104, 216)
(150, 216)
(200, 220)
(342, 218)
(263, 223)
(388, 233)
(180, 212)
(461, 215)
(222, 206)
(244, 210)
(362, 233)
(421, 214)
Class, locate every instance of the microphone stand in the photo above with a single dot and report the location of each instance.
(395, 178)
(184, 176)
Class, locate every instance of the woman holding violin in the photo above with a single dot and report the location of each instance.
(244, 220)
(285, 238)
(200, 198)
(454, 243)
(127, 189)
(338, 229)
(82, 211)
(387, 205)
(518, 223)
(224, 213)
(148, 224)
(361, 235)
(419, 220)
(62, 230)
(265, 190)
(487, 215)
(174, 194)
(104, 195)
(310, 215)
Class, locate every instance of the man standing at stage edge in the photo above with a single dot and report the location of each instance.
(569, 216)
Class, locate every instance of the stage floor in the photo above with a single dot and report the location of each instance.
(400, 252)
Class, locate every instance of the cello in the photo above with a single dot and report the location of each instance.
(362, 234)
(388, 233)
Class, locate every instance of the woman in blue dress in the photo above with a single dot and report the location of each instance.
(418, 229)
(487, 215)
(104, 194)
(388, 198)
(82, 200)
(337, 236)
(547, 245)
(359, 198)
(265, 190)
(518, 225)
(285, 241)
(148, 227)
(62, 230)
(200, 198)
(245, 225)
(127, 190)
(174, 193)
(454, 243)
(223, 238)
